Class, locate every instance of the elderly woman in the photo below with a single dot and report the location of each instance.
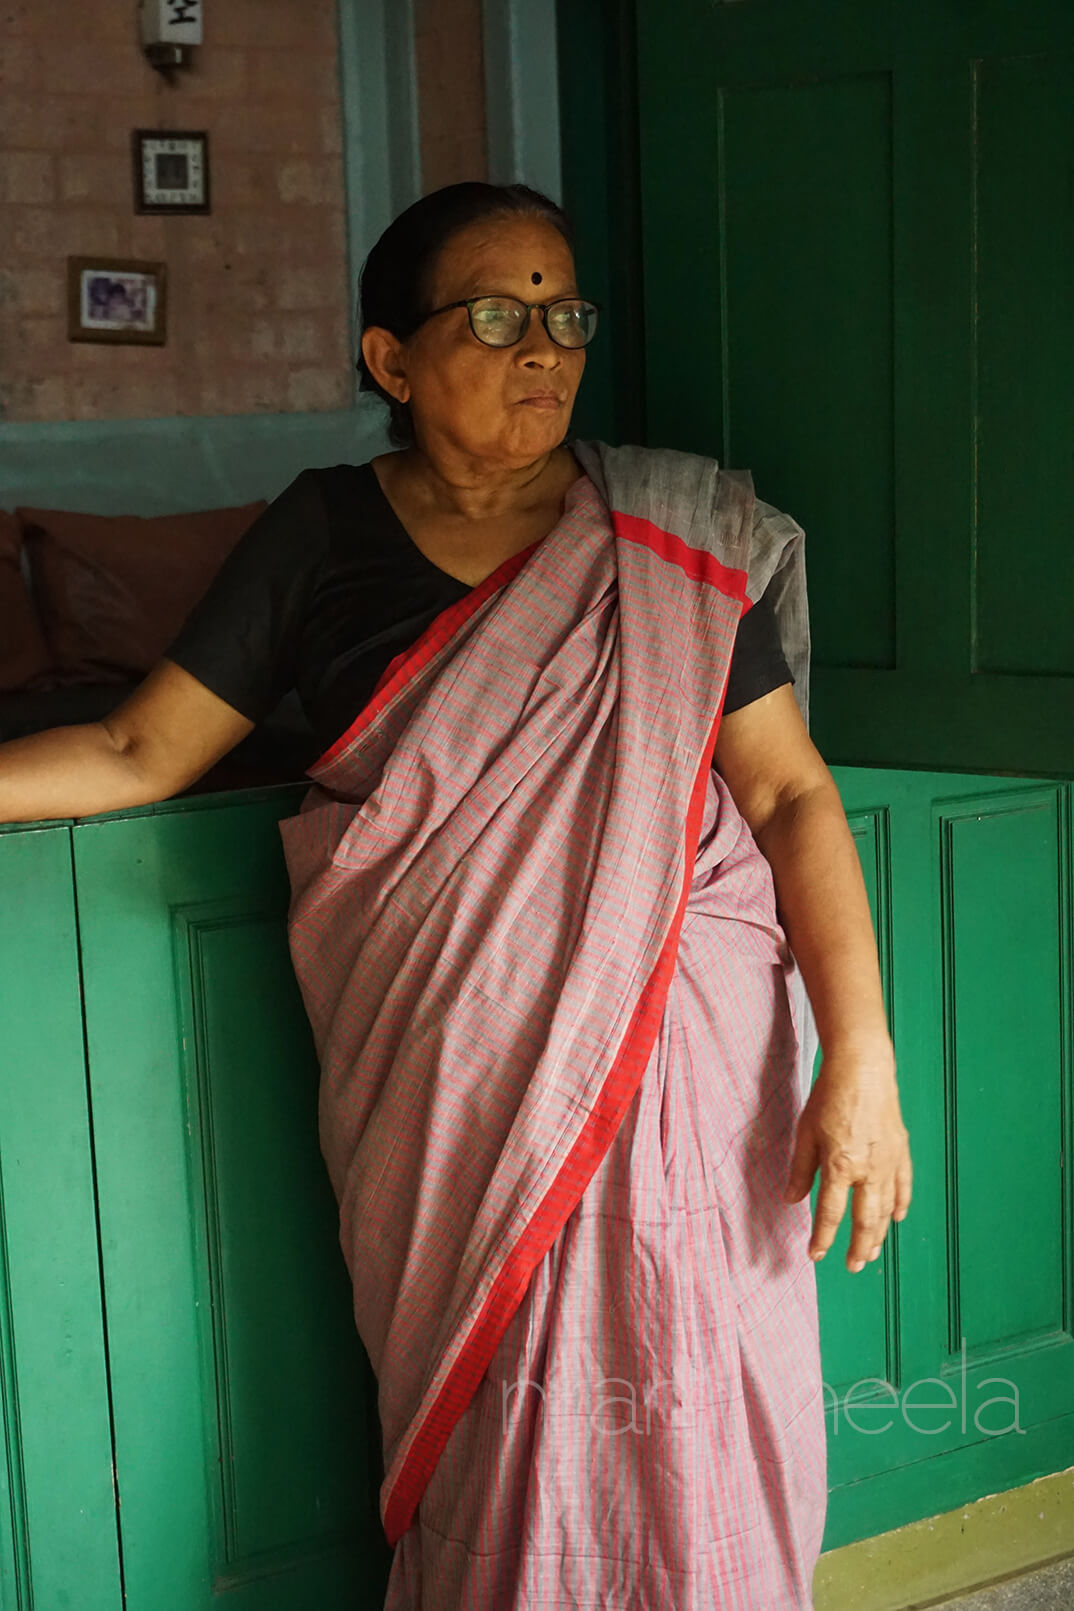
(566, 860)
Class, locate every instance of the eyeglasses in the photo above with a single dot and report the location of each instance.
(501, 321)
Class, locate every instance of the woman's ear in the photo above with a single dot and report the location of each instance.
(385, 360)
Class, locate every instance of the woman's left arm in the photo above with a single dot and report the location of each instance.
(851, 1127)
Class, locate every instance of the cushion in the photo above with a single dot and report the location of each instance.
(113, 590)
(24, 656)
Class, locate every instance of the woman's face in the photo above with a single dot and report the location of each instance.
(507, 405)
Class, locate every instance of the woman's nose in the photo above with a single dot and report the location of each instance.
(545, 357)
(537, 345)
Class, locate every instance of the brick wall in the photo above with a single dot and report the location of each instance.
(258, 302)
(451, 91)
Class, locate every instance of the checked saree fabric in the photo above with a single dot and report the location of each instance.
(563, 1047)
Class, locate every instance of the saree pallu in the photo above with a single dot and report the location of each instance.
(561, 1038)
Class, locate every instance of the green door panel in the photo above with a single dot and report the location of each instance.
(949, 1363)
(1025, 323)
(1000, 885)
(245, 1433)
(58, 1538)
(784, 366)
(853, 245)
(599, 135)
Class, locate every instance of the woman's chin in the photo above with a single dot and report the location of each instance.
(533, 431)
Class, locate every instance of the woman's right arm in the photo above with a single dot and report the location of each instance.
(161, 739)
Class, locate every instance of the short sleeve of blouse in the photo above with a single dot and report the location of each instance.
(757, 661)
(242, 638)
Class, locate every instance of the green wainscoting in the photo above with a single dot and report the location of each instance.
(949, 1363)
(58, 1540)
(231, 1339)
(176, 1302)
(158, 1056)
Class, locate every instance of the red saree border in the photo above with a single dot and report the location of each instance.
(406, 665)
(696, 562)
(510, 1285)
(592, 1143)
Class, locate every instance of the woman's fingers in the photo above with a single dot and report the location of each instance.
(831, 1206)
(853, 1131)
(871, 1216)
(904, 1183)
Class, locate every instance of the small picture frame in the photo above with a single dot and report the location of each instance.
(171, 171)
(118, 299)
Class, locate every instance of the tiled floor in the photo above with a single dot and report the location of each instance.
(1050, 1588)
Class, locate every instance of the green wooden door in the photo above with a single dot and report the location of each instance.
(857, 226)
(949, 1364)
(244, 1433)
(58, 1540)
(855, 222)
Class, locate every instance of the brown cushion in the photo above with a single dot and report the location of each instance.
(113, 590)
(24, 656)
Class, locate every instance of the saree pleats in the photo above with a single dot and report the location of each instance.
(650, 1433)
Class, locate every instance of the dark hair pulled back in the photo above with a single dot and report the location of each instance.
(394, 283)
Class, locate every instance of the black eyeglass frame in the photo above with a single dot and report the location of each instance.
(498, 296)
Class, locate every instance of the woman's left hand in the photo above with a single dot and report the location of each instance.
(851, 1129)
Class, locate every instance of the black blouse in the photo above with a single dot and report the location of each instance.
(326, 587)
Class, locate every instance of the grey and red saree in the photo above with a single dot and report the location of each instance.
(563, 1046)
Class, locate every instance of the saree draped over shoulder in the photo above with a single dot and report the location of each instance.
(563, 1048)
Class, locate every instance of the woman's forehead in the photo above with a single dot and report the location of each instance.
(504, 253)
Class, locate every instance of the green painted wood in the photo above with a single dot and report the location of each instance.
(780, 354)
(949, 1363)
(58, 1533)
(916, 1362)
(599, 144)
(1024, 248)
(983, 724)
(1001, 886)
(245, 1433)
(856, 243)
(244, 1418)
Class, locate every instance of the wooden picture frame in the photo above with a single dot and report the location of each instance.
(117, 299)
(171, 170)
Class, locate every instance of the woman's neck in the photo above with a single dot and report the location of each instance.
(469, 490)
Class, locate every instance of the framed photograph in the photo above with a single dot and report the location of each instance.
(171, 171)
(116, 299)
